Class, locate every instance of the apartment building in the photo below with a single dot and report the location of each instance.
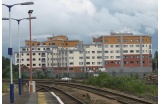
(115, 52)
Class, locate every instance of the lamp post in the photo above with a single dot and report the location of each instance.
(31, 86)
(10, 48)
(19, 80)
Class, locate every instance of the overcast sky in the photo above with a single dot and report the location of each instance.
(80, 19)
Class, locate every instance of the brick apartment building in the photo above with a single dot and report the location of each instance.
(114, 52)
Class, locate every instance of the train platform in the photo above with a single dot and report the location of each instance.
(31, 98)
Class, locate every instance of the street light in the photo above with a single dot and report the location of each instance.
(19, 80)
(31, 86)
(10, 48)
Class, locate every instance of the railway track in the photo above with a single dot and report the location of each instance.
(122, 98)
(65, 97)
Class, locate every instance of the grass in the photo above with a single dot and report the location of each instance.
(131, 85)
(6, 88)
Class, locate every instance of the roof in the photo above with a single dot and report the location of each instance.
(121, 35)
(33, 40)
(70, 40)
(57, 36)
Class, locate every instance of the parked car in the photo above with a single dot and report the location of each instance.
(66, 79)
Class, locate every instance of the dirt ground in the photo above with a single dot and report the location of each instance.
(87, 97)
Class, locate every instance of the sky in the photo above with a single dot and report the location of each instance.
(80, 19)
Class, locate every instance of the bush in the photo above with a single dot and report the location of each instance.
(124, 83)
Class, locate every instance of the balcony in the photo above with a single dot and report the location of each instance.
(43, 60)
(43, 55)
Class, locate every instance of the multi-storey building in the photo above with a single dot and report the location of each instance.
(116, 52)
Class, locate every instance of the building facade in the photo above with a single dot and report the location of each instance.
(116, 52)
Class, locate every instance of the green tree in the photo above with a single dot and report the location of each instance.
(155, 61)
(6, 68)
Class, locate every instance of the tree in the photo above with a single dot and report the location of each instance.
(6, 68)
(155, 61)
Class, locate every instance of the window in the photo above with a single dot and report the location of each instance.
(125, 40)
(27, 59)
(23, 49)
(125, 51)
(131, 56)
(71, 63)
(93, 57)
(142, 51)
(112, 62)
(93, 51)
(137, 56)
(125, 62)
(137, 45)
(137, 40)
(80, 57)
(70, 57)
(150, 46)
(117, 51)
(118, 40)
(125, 46)
(43, 48)
(125, 56)
(106, 40)
(106, 51)
(131, 40)
(99, 51)
(117, 46)
(44, 43)
(111, 51)
(131, 46)
(48, 48)
(106, 62)
(38, 48)
(117, 57)
(27, 64)
(34, 64)
(106, 46)
(87, 46)
(143, 45)
(99, 46)
(112, 57)
(88, 63)
(131, 62)
(70, 52)
(80, 63)
(39, 64)
(131, 51)
(87, 52)
(99, 63)
(32, 48)
(22, 54)
(138, 62)
(34, 59)
(22, 59)
(33, 53)
(137, 51)
(111, 46)
(87, 57)
(99, 57)
(27, 54)
(93, 63)
(106, 57)
(80, 52)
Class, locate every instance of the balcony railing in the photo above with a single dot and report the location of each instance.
(43, 55)
(43, 60)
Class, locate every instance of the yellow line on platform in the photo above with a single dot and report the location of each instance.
(41, 98)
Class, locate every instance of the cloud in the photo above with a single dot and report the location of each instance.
(82, 19)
